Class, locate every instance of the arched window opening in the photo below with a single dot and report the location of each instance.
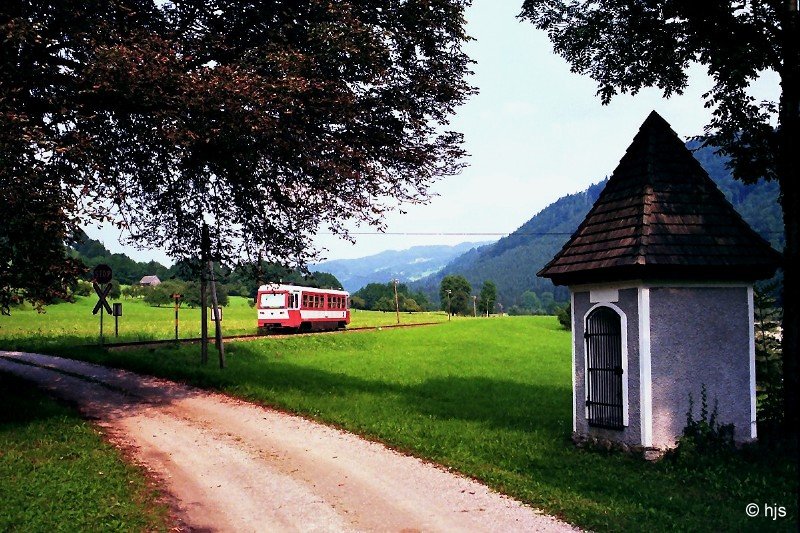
(604, 397)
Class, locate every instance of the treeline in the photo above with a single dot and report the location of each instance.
(158, 295)
(380, 297)
(183, 277)
(531, 303)
(457, 298)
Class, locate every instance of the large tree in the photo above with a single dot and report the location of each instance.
(455, 295)
(626, 45)
(267, 120)
(488, 297)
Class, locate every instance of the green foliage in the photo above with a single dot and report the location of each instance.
(357, 302)
(384, 304)
(380, 297)
(487, 298)
(161, 294)
(769, 367)
(564, 316)
(115, 291)
(705, 436)
(126, 270)
(410, 305)
(83, 288)
(59, 475)
(135, 291)
(455, 293)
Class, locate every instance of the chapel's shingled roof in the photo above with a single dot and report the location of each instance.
(661, 217)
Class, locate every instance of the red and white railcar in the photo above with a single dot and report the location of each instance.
(302, 308)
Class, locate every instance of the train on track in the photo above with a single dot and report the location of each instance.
(295, 308)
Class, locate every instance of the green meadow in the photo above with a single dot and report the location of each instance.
(487, 397)
(75, 324)
(57, 473)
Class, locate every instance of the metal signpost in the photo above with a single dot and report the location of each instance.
(177, 297)
(117, 314)
(101, 281)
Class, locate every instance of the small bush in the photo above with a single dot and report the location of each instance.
(83, 288)
(564, 315)
(705, 436)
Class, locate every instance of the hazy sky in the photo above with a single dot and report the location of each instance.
(535, 132)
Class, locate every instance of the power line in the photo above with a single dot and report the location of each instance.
(474, 234)
(448, 234)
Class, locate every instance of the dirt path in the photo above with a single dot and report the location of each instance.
(235, 466)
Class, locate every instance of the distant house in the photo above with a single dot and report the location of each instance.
(150, 281)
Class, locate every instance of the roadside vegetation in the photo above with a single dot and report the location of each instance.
(58, 475)
(489, 398)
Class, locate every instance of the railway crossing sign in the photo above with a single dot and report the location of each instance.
(101, 281)
(102, 294)
(101, 275)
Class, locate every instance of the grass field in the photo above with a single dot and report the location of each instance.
(57, 474)
(75, 324)
(489, 398)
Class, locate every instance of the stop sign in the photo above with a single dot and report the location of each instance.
(102, 274)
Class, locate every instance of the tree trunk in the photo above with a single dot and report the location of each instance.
(787, 171)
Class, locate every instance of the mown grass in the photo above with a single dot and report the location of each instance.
(489, 398)
(57, 474)
(74, 323)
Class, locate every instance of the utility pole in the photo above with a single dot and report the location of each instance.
(208, 268)
(217, 315)
(396, 300)
(449, 312)
(474, 306)
(204, 246)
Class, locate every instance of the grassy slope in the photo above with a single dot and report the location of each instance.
(56, 473)
(490, 398)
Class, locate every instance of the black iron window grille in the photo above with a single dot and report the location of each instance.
(604, 402)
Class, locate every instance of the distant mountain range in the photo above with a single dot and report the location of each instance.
(512, 262)
(406, 265)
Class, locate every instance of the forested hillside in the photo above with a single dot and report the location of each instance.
(126, 270)
(513, 261)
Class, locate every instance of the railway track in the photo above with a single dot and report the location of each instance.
(250, 336)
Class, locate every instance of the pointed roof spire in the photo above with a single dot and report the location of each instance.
(661, 216)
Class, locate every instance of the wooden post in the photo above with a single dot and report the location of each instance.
(474, 304)
(204, 246)
(396, 301)
(177, 298)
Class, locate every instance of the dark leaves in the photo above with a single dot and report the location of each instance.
(267, 120)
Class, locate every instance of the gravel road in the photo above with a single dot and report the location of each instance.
(229, 465)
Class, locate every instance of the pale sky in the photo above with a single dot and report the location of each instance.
(535, 133)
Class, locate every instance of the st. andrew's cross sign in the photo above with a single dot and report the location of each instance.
(101, 275)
